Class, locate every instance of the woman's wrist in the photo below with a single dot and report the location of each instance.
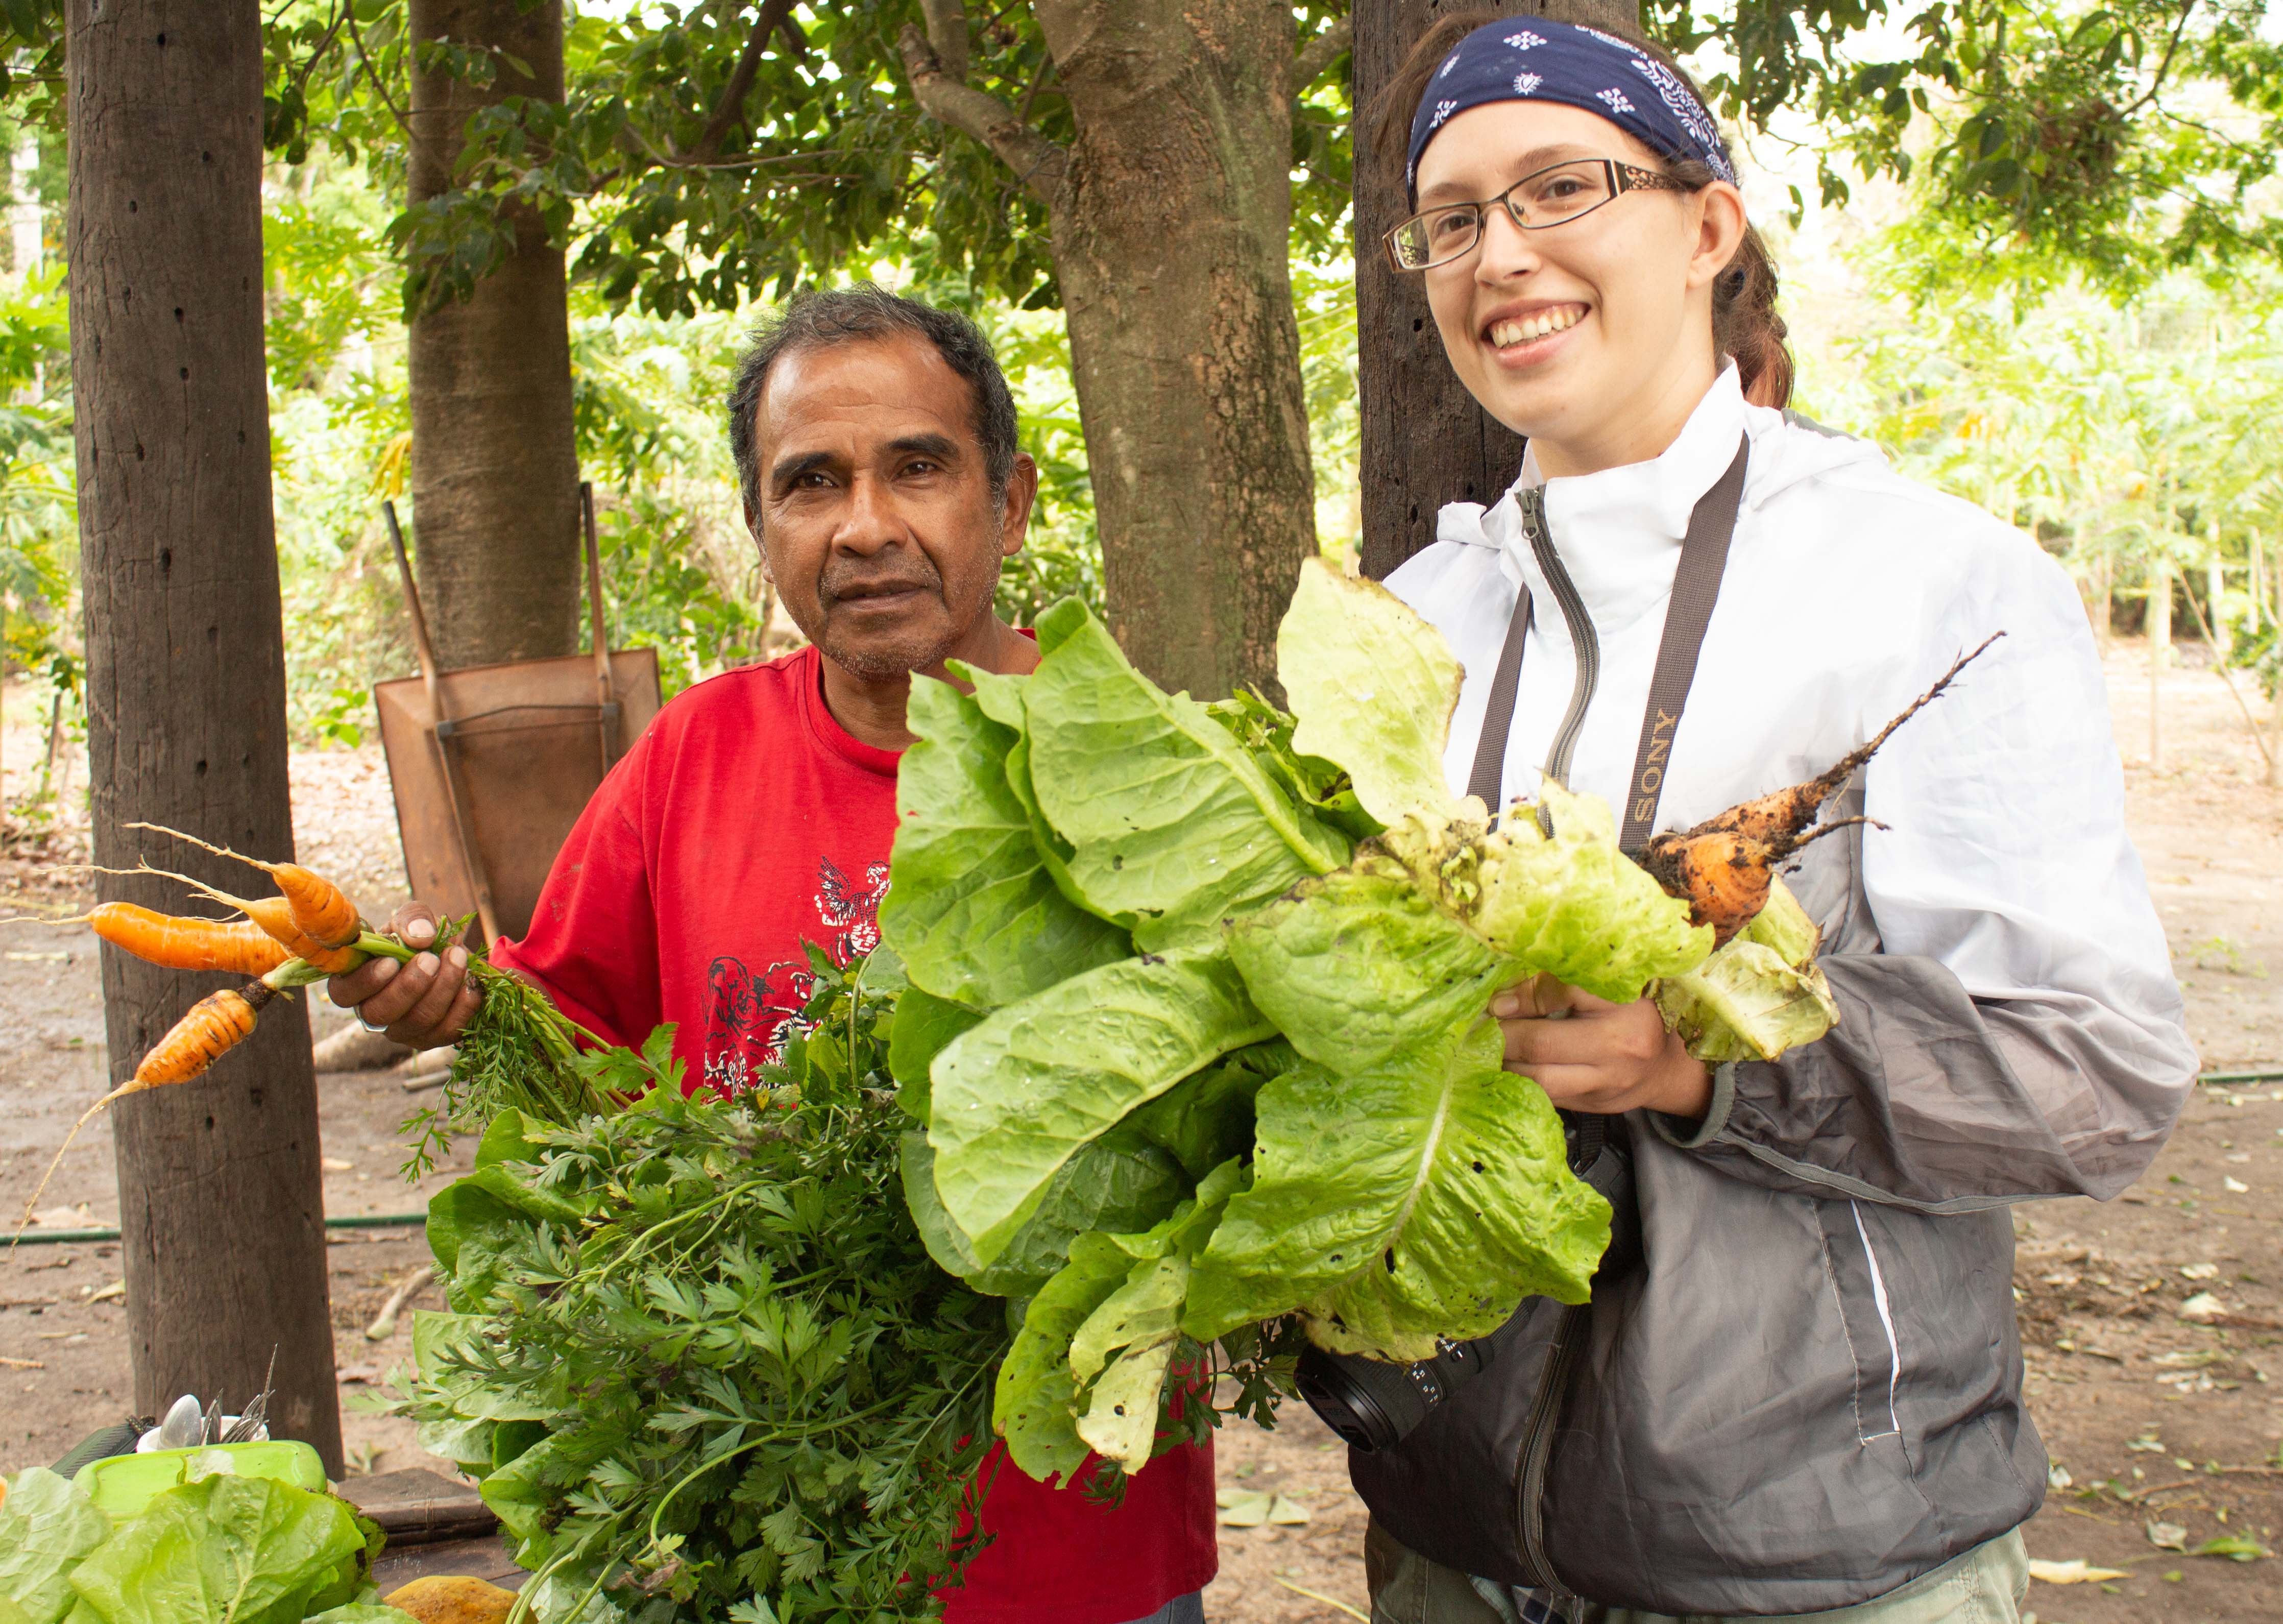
(1681, 1085)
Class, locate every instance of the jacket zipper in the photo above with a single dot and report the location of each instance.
(1545, 1406)
(1553, 1381)
(1583, 637)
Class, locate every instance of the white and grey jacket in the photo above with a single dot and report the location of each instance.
(1810, 1391)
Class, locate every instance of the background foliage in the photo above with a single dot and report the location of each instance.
(2031, 250)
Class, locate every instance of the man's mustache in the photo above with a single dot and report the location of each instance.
(839, 586)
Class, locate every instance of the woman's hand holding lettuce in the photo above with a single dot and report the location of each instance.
(1261, 945)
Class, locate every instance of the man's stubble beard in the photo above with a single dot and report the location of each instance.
(875, 663)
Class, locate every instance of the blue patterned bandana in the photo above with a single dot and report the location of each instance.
(1533, 59)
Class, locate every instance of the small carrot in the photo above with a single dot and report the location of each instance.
(216, 1024)
(1721, 867)
(240, 946)
(321, 909)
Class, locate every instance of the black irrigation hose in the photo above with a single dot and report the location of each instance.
(390, 1220)
(359, 1220)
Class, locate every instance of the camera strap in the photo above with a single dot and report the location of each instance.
(1695, 589)
(1689, 611)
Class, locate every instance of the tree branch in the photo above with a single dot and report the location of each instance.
(731, 107)
(1037, 161)
(946, 31)
(2156, 85)
(1320, 53)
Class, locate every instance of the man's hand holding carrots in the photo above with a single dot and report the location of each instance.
(422, 1003)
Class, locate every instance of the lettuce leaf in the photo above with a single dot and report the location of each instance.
(1015, 1098)
(1168, 820)
(1358, 964)
(1321, 786)
(1424, 1197)
(1759, 994)
(48, 1524)
(1204, 1121)
(1033, 1404)
(225, 1549)
(1572, 906)
(920, 1028)
(1121, 1181)
(971, 907)
(1088, 1367)
(1372, 687)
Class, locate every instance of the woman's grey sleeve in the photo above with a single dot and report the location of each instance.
(1924, 1097)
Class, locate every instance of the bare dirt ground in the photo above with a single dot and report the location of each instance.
(2163, 1413)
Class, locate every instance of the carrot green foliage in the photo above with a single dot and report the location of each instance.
(697, 1355)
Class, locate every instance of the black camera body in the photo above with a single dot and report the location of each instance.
(1373, 1405)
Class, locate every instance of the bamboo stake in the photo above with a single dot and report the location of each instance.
(2241, 703)
(2160, 651)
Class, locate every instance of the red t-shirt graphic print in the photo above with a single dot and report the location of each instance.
(745, 825)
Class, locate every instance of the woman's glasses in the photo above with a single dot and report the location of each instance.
(1550, 197)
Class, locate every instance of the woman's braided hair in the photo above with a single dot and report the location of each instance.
(1745, 325)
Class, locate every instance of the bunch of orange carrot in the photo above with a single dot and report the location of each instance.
(309, 930)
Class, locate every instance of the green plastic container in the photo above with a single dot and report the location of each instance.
(123, 1485)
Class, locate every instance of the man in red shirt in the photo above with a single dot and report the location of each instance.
(875, 446)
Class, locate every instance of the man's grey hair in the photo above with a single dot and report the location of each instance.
(822, 317)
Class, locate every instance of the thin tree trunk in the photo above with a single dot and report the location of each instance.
(1425, 439)
(1171, 217)
(220, 1205)
(1172, 237)
(495, 462)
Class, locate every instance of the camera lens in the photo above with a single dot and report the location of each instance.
(1344, 1404)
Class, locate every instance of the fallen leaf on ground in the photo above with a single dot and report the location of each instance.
(2072, 1572)
(1244, 1509)
(1287, 1513)
(64, 1218)
(2234, 1547)
(2203, 1305)
(117, 1288)
(2168, 1536)
(334, 1164)
(2199, 1271)
(2235, 1186)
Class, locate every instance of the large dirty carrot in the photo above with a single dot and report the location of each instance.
(320, 909)
(1721, 868)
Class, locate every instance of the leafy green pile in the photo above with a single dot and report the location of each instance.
(697, 1356)
(219, 1549)
(1196, 1020)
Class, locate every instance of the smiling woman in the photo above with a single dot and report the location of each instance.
(1801, 1394)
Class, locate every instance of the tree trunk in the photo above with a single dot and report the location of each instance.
(494, 463)
(1425, 441)
(220, 1206)
(1172, 240)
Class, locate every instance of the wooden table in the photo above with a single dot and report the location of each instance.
(435, 1526)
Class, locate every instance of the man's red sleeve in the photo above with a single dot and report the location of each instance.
(593, 942)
